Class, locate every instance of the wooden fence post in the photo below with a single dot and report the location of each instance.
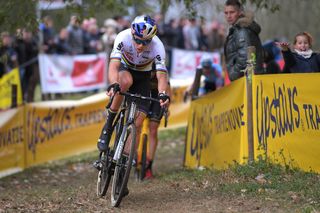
(251, 62)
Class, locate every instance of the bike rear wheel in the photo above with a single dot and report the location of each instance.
(123, 166)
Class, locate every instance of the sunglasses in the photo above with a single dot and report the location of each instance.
(143, 42)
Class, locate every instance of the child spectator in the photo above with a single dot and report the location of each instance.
(302, 59)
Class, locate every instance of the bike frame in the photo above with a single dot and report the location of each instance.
(129, 120)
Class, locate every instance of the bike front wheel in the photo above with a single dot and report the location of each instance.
(123, 166)
(104, 175)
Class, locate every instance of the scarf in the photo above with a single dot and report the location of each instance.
(305, 54)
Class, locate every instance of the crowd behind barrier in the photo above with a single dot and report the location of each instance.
(61, 74)
(86, 37)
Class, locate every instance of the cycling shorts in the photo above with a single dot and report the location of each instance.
(155, 113)
(140, 85)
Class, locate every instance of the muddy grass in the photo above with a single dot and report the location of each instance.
(69, 186)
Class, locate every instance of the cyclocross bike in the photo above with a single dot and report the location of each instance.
(115, 161)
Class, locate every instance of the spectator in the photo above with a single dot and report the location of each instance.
(158, 18)
(48, 34)
(109, 34)
(203, 38)
(191, 33)
(95, 44)
(76, 36)
(8, 55)
(27, 50)
(122, 23)
(244, 32)
(215, 37)
(85, 33)
(270, 64)
(61, 43)
(213, 78)
(170, 33)
(180, 36)
(302, 59)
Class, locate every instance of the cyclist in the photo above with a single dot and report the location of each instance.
(155, 115)
(134, 51)
(213, 78)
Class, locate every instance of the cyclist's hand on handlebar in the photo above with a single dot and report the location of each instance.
(113, 89)
(164, 99)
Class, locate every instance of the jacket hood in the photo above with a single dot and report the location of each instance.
(247, 20)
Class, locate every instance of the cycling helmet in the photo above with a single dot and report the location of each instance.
(144, 27)
(206, 63)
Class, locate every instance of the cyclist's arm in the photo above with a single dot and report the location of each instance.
(115, 58)
(113, 73)
(162, 81)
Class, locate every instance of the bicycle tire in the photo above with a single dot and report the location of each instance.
(123, 167)
(104, 175)
(144, 157)
(107, 167)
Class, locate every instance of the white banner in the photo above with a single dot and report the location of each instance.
(184, 62)
(64, 73)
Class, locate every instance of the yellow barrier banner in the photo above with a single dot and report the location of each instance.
(40, 132)
(286, 112)
(178, 109)
(12, 141)
(217, 129)
(59, 129)
(6, 82)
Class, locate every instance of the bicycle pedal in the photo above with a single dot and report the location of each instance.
(126, 192)
(134, 163)
(97, 165)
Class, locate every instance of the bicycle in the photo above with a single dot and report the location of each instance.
(114, 161)
(143, 149)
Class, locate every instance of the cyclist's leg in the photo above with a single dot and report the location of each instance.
(154, 123)
(141, 85)
(125, 81)
(153, 143)
(139, 123)
(153, 137)
(103, 141)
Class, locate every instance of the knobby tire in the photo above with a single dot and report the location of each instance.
(123, 167)
(104, 175)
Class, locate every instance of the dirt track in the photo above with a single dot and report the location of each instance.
(70, 187)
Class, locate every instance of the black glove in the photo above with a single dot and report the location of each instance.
(115, 86)
(162, 96)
